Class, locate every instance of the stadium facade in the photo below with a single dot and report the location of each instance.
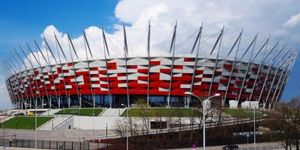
(160, 81)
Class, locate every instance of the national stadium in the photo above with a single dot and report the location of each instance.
(161, 81)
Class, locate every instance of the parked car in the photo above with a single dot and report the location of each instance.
(19, 114)
(230, 147)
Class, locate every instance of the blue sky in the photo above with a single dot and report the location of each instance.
(25, 21)
(22, 21)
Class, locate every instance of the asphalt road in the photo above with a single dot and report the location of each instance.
(64, 135)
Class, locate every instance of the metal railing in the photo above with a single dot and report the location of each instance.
(44, 144)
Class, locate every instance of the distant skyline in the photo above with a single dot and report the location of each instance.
(26, 21)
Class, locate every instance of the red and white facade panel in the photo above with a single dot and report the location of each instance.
(235, 80)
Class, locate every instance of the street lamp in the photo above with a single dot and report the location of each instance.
(126, 125)
(35, 120)
(204, 105)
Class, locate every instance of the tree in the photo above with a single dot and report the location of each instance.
(288, 116)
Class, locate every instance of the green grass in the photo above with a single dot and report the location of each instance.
(162, 112)
(23, 122)
(243, 113)
(83, 111)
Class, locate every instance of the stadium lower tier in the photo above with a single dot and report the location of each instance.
(106, 101)
(164, 79)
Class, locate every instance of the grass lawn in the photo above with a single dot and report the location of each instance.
(83, 111)
(243, 113)
(162, 112)
(23, 122)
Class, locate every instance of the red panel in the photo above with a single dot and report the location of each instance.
(145, 78)
(167, 71)
(177, 67)
(112, 66)
(228, 66)
(142, 71)
(132, 67)
(188, 59)
(154, 63)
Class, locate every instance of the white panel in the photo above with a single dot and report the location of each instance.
(142, 67)
(249, 90)
(163, 76)
(177, 70)
(103, 89)
(178, 61)
(222, 88)
(132, 70)
(122, 78)
(81, 64)
(121, 69)
(98, 63)
(120, 62)
(103, 82)
(138, 61)
(82, 70)
(65, 67)
(163, 90)
(94, 72)
(111, 71)
(68, 86)
(187, 70)
(206, 79)
(225, 73)
(207, 71)
(122, 85)
(155, 69)
(56, 80)
(132, 76)
(201, 61)
(113, 75)
(185, 86)
(95, 85)
(102, 75)
(142, 82)
(189, 63)
(46, 69)
(68, 74)
(200, 68)
(94, 79)
(161, 59)
(54, 68)
(177, 75)
(79, 78)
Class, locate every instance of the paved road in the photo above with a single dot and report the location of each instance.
(17, 148)
(66, 135)
(259, 146)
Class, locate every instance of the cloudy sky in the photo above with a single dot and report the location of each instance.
(26, 21)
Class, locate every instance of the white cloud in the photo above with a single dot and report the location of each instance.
(253, 16)
(4, 100)
(293, 21)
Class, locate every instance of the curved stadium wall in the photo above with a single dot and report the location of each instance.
(160, 81)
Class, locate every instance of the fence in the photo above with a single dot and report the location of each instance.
(43, 144)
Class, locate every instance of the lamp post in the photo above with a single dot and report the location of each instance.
(254, 128)
(35, 121)
(126, 125)
(204, 105)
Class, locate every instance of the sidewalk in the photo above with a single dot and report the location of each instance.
(259, 146)
(17, 148)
